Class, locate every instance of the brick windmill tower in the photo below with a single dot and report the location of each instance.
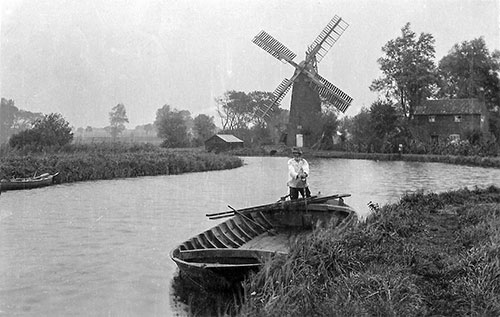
(309, 88)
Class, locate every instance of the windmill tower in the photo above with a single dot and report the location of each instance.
(309, 88)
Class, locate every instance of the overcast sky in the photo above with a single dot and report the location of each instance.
(81, 58)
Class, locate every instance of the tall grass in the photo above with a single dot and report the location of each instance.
(108, 161)
(449, 159)
(434, 254)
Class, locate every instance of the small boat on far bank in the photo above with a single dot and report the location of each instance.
(227, 252)
(42, 180)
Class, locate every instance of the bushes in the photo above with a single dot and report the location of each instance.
(52, 130)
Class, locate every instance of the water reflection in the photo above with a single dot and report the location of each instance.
(101, 248)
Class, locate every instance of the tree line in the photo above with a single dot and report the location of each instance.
(410, 75)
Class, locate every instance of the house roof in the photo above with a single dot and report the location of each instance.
(450, 106)
(229, 138)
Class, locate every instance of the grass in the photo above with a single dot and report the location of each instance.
(482, 161)
(428, 255)
(108, 161)
(449, 159)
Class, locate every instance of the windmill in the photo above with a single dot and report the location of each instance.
(308, 86)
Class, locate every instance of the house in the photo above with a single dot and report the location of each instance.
(449, 119)
(222, 142)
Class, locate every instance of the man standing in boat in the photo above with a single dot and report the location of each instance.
(298, 169)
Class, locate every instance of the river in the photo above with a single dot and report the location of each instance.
(101, 248)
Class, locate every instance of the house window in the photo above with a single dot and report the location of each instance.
(458, 118)
(432, 118)
(454, 138)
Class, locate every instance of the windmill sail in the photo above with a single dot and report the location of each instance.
(325, 40)
(273, 47)
(335, 96)
(278, 95)
(315, 52)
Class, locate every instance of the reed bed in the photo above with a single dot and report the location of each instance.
(449, 159)
(95, 162)
(474, 160)
(428, 255)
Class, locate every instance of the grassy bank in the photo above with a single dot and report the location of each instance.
(428, 255)
(449, 159)
(481, 161)
(108, 161)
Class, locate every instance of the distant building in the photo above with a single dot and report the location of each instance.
(102, 135)
(449, 119)
(222, 142)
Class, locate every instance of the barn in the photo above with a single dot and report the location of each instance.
(449, 119)
(222, 142)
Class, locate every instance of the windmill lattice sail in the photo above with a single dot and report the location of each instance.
(315, 52)
(334, 95)
(278, 95)
(325, 40)
(273, 46)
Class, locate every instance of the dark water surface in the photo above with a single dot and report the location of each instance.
(101, 248)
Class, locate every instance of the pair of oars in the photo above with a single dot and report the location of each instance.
(219, 215)
(225, 214)
(236, 212)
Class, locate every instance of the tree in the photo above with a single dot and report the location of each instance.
(408, 69)
(383, 117)
(383, 122)
(361, 130)
(238, 112)
(329, 123)
(52, 130)
(7, 115)
(172, 126)
(148, 128)
(235, 109)
(204, 127)
(470, 71)
(260, 100)
(14, 120)
(117, 119)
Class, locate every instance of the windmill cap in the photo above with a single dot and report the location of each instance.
(296, 150)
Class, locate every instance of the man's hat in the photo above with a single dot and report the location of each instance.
(296, 150)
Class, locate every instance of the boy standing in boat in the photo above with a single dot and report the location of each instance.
(298, 169)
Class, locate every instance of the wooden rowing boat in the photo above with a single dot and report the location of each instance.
(227, 252)
(42, 180)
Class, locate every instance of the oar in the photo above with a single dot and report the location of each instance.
(222, 216)
(311, 199)
(253, 221)
(230, 213)
(282, 198)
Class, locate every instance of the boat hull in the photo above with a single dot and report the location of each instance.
(27, 183)
(226, 253)
(220, 267)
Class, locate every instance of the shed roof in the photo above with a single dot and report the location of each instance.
(229, 138)
(450, 106)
